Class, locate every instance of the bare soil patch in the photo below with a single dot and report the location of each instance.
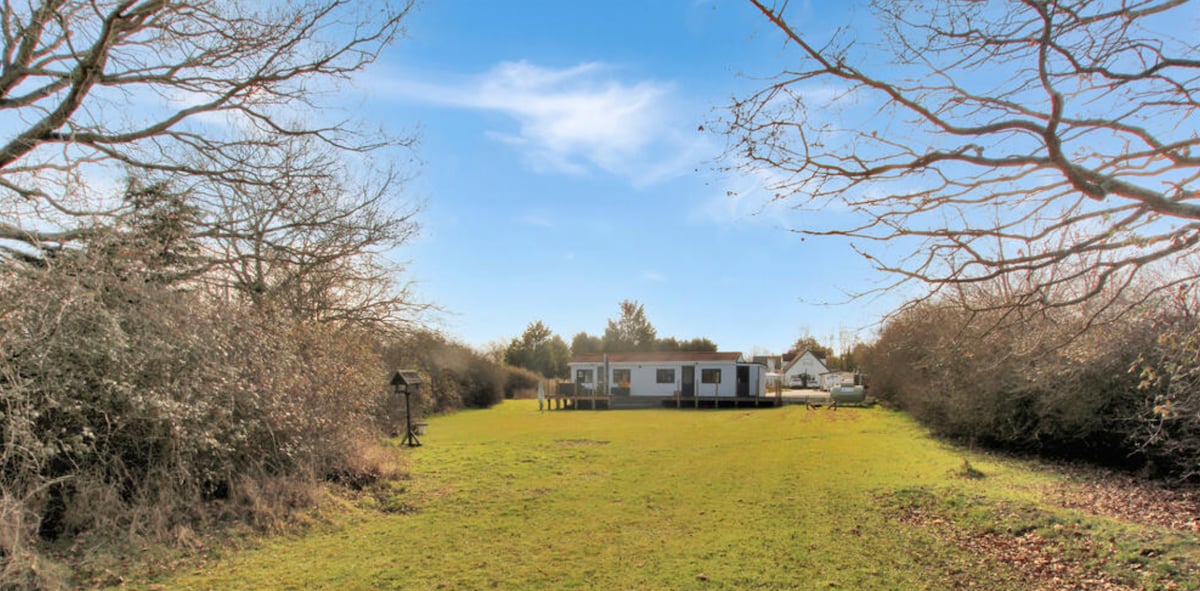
(580, 442)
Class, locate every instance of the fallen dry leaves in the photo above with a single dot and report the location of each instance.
(1128, 498)
(1041, 563)
(1037, 563)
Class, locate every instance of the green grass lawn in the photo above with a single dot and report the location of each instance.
(510, 498)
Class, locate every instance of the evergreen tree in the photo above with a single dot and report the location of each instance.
(539, 349)
(631, 332)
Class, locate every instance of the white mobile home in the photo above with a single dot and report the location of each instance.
(663, 374)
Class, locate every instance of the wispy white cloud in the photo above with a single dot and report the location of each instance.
(654, 276)
(744, 198)
(536, 220)
(574, 120)
(767, 195)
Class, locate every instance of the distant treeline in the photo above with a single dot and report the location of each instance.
(540, 350)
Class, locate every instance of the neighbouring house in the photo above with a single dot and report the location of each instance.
(663, 373)
(833, 379)
(804, 371)
(773, 363)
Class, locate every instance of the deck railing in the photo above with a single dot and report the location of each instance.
(573, 395)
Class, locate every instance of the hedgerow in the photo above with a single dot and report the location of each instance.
(1063, 383)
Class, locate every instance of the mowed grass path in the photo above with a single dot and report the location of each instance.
(510, 498)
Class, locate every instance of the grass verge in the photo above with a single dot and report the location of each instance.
(510, 498)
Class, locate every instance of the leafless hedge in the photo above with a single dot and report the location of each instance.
(1121, 392)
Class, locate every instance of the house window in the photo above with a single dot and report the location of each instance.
(664, 376)
(621, 377)
(710, 376)
(583, 376)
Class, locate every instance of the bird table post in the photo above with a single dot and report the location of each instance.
(407, 382)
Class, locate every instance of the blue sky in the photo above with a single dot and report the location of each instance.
(563, 169)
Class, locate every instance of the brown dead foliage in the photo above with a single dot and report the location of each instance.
(1068, 556)
(1036, 563)
(1039, 562)
(1128, 498)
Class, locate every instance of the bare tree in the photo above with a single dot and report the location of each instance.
(214, 92)
(313, 241)
(179, 200)
(215, 105)
(1045, 145)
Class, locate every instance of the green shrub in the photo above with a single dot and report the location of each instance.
(521, 382)
(456, 375)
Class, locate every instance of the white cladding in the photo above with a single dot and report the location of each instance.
(807, 364)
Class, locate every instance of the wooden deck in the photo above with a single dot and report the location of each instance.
(721, 402)
(584, 402)
(565, 397)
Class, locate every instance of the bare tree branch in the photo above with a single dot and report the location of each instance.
(174, 88)
(210, 113)
(996, 140)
